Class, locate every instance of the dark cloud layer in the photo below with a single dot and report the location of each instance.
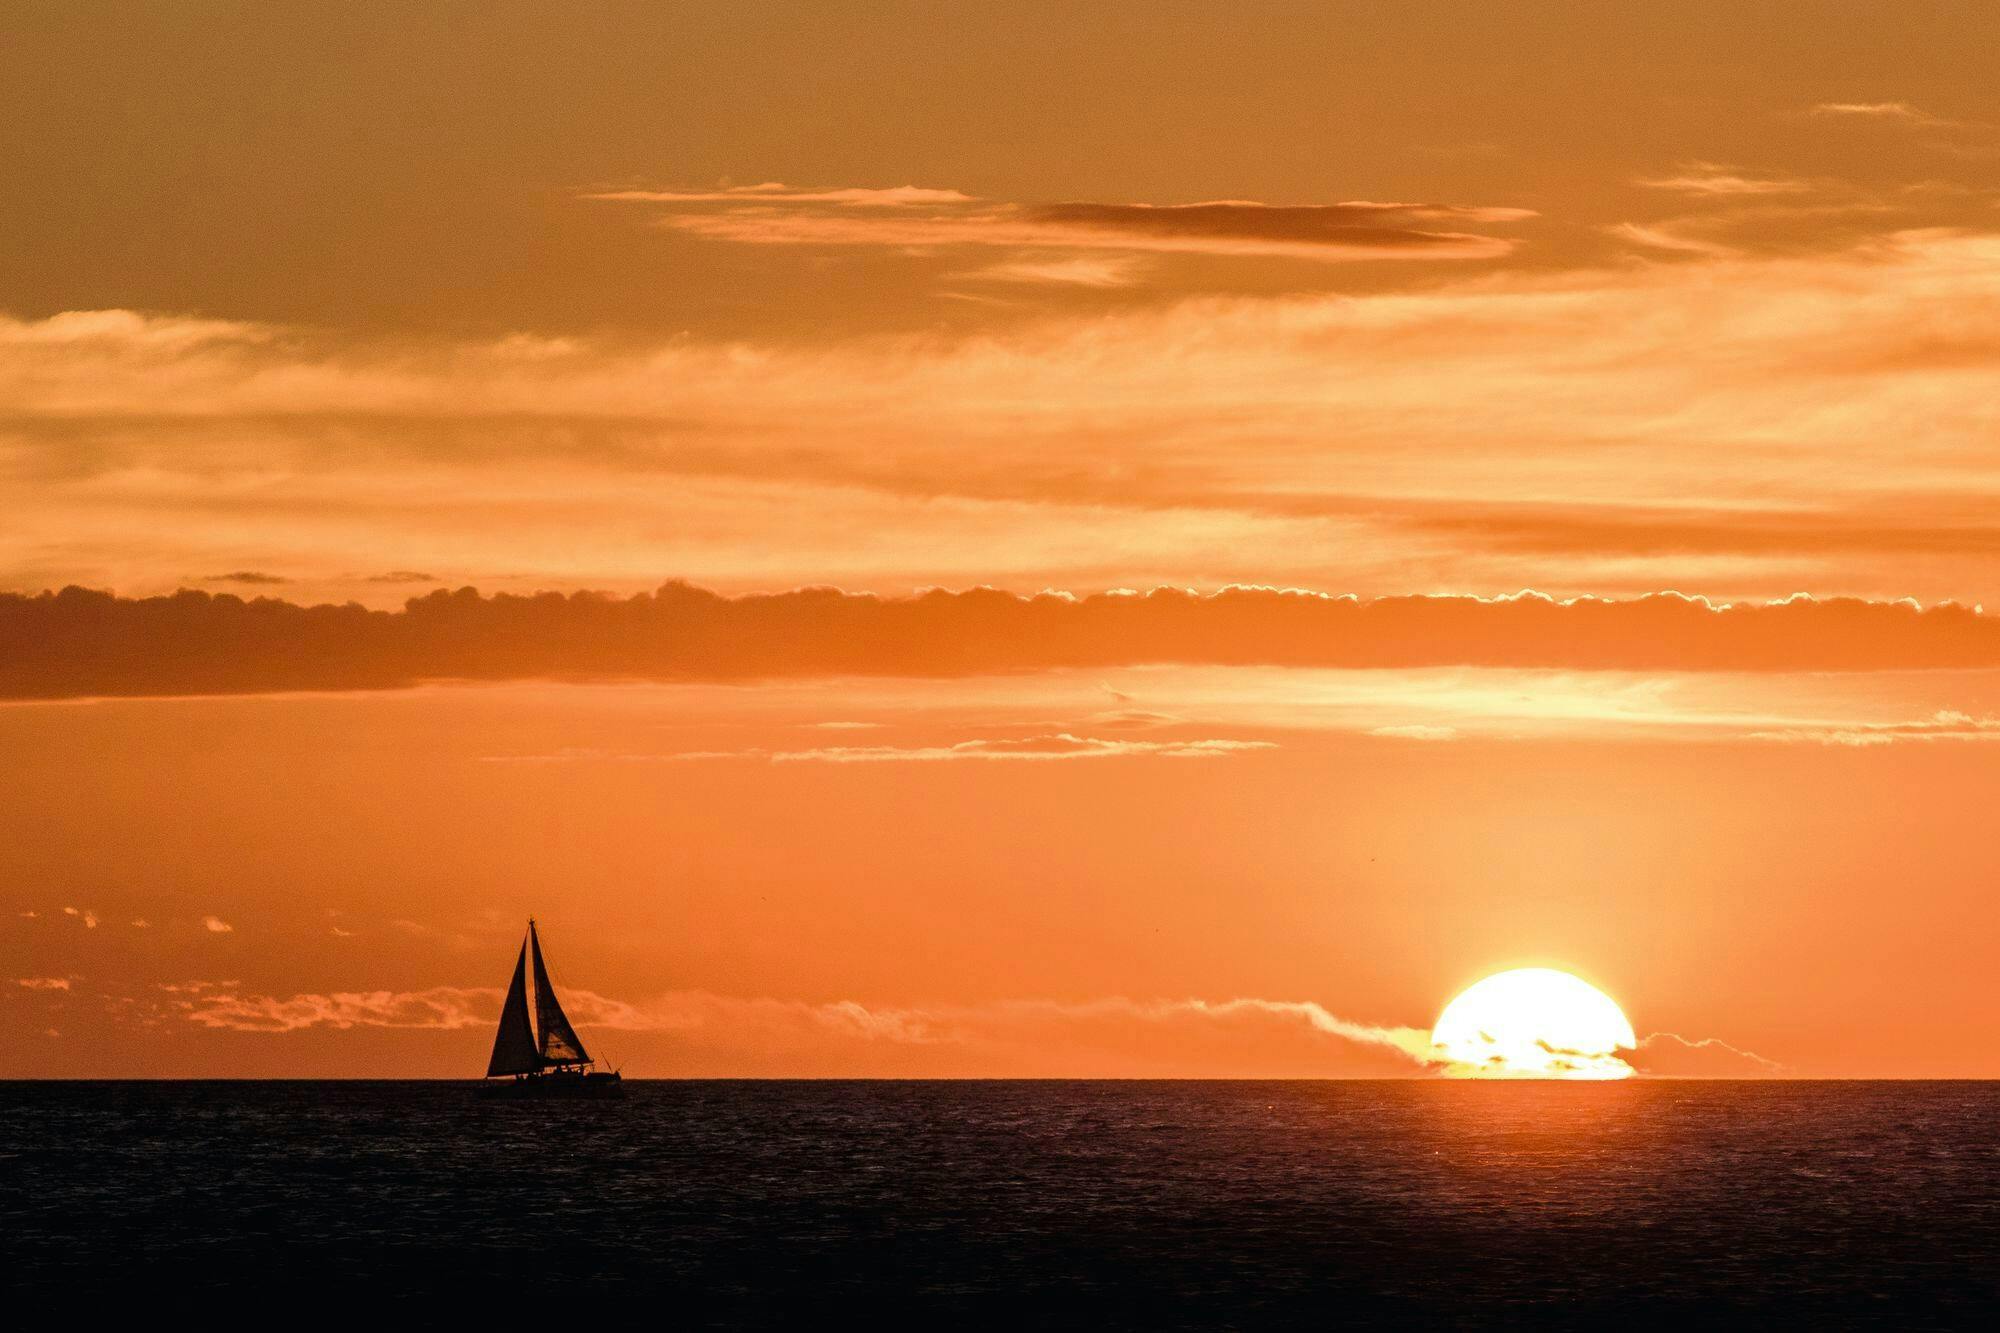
(79, 643)
(1390, 226)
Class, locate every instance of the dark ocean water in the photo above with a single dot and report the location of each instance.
(1029, 1204)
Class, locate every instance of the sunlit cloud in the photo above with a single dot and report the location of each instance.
(909, 217)
(1670, 1055)
(1671, 237)
(1027, 749)
(1706, 180)
(1590, 409)
(444, 1007)
(1043, 1033)
(774, 192)
(1899, 112)
(1078, 271)
(1944, 725)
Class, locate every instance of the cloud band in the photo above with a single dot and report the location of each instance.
(79, 643)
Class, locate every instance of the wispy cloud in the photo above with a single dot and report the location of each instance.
(451, 1008)
(1073, 271)
(1416, 732)
(912, 217)
(1670, 1055)
(1027, 749)
(251, 577)
(1175, 441)
(775, 192)
(441, 1007)
(44, 983)
(1708, 180)
(215, 925)
(1069, 1034)
(1898, 112)
(1944, 725)
(1673, 237)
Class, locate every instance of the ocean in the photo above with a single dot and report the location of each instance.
(1026, 1204)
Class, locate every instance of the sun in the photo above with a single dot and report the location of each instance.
(1533, 1022)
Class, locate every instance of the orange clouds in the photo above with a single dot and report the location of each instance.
(1670, 1055)
(751, 1027)
(1026, 749)
(774, 214)
(440, 1007)
(80, 643)
(1739, 426)
(1023, 1035)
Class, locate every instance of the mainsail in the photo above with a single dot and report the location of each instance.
(514, 1045)
(560, 1044)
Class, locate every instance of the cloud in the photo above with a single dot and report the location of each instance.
(1670, 1055)
(1075, 1037)
(89, 919)
(1944, 725)
(442, 1007)
(1075, 271)
(44, 983)
(77, 644)
(1030, 749)
(774, 192)
(1417, 732)
(766, 1022)
(1645, 427)
(1670, 236)
(215, 925)
(1706, 180)
(1900, 112)
(911, 217)
(248, 576)
(403, 576)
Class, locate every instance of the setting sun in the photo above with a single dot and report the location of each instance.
(1533, 1022)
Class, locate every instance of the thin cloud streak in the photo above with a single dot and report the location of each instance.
(1055, 748)
(1944, 725)
(748, 1024)
(913, 217)
(775, 192)
(1706, 181)
(1711, 1057)
(451, 1008)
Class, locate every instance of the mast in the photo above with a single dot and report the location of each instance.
(559, 1043)
(514, 1050)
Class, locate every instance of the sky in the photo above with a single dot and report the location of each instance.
(989, 540)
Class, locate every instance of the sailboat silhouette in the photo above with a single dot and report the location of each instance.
(536, 1053)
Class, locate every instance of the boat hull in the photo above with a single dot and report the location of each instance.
(555, 1087)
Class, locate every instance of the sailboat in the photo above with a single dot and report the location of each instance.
(536, 1053)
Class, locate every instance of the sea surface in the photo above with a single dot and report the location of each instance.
(1023, 1204)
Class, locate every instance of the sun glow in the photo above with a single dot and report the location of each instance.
(1533, 1022)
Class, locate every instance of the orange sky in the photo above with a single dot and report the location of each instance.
(1684, 318)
